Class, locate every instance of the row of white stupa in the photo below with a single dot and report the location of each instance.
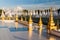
(19, 11)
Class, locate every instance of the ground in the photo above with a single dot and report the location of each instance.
(8, 32)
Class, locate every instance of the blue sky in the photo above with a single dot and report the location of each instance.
(13, 3)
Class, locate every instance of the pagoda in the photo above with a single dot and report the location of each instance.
(51, 24)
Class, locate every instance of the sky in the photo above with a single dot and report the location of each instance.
(28, 3)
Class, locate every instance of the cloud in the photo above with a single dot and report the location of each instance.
(40, 6)
(32, 4)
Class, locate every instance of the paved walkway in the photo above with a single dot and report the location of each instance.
(6, 34)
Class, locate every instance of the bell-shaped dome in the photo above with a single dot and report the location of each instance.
(18, 8)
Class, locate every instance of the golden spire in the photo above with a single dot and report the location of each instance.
(40, 25)
(21, 18)
(51, 18)
(3, 16)
(51, 24)
(40, 21)
(8, 17)
(30, 23)
(16, 17)
(30, 19)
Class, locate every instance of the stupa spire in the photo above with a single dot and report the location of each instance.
(51, 24)
(30, 23)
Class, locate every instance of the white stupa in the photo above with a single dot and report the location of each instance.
(18, 10)
(33, 12)
(9, 14)
(2, 15)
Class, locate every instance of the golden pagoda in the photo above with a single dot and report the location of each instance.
(40, 22)
(51, 24)
(30, 24)
(9, 16)
(21, 19)
(16, 17)
(3, 16)
(40, 25)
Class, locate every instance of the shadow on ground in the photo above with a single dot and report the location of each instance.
(18, 29)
